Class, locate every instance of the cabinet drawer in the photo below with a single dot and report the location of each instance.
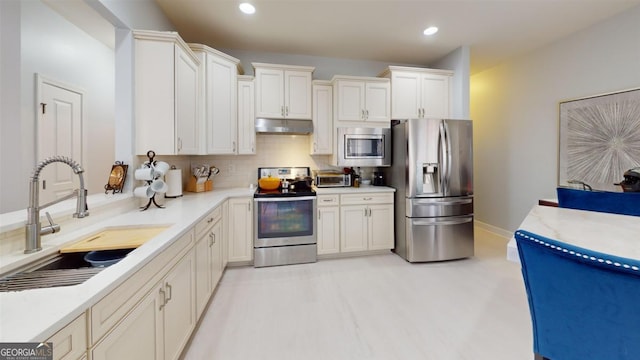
(328, 200)
(366, 198)
(70, 342)
(205, 224)
(115, 305)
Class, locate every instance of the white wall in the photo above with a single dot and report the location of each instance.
(11, 175)
(458, 61)
(57, 49)
(137, 14)
(515, 111)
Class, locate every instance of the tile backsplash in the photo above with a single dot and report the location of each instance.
(242, 170)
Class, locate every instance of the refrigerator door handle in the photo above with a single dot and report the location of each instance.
(447, 201)
(447, 156)
(444, 166)
(443, 222)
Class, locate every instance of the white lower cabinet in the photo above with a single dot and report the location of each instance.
(366, 222)
(225, 234)
(139, 335)
(328, 224)
(208, 257)
(70, 343)
(178, 306)
(159, 325)
(208, 265)
(240, 220)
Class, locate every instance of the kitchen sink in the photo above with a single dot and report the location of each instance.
(54, 271)
(68, 267)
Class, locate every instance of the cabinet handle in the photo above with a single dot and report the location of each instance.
(170, 292)
(211, 239)
(179, 144)
(282, 110)
(367, 198)
(367, 112)
(286, 110)
(362, 114)
(164, 299)
(210, 220)
(234, 146)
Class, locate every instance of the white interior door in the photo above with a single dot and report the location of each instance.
(59, 129)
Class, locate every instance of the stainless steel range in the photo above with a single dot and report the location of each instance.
(285, 220)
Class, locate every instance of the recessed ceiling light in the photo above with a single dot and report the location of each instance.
(247, 8)
(430, 30)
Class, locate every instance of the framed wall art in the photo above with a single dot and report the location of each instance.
(599, 139)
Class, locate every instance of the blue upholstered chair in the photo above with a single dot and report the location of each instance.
(624, 203)
(584, 305)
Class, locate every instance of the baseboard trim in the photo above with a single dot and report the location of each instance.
(506, 234)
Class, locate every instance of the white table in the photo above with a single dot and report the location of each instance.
(603, 232)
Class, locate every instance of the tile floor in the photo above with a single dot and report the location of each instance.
(371, 307)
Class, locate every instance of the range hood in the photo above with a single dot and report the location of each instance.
(283, 126)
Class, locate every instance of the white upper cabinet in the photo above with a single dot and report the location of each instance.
(165, 94)
(361, 100)
(283, 91)
(322, 137)
(246, 116)
(419, 92)
(218, 91)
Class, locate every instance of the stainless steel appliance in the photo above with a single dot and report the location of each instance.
(432, 171)
(331, 179)
(285, 221)
(363, 147)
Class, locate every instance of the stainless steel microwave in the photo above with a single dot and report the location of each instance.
(364, 147)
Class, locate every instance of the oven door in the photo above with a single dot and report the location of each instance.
(285, 221)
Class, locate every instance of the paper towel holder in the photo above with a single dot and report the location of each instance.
(172, 187)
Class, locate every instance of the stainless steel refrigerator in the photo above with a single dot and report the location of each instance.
(432, 172)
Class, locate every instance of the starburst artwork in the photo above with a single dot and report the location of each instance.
(599, 139)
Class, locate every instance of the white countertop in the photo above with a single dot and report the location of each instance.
(353, 190)
(34, 315)
(603, 232)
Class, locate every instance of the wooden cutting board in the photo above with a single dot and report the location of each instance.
(113, 239)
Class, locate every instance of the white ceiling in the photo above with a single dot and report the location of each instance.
(388, 30)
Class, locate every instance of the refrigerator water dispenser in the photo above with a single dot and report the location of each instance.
(430, 178)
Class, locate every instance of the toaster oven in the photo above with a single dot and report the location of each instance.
(332, 179)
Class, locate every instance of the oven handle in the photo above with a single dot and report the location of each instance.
(289, 198)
